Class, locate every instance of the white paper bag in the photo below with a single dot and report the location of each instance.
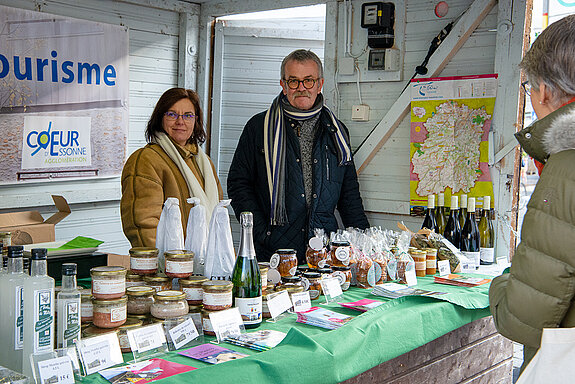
(220, 255)
(169, 234)
(197, 234)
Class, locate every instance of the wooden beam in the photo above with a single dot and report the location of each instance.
(452, 43)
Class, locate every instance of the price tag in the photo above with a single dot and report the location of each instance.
(279, 304)
(97, 356)
(146, 338)
(56, 371)
(331, 287)
(227, 323)
(301, 301)
(183, 333)
(443, 266)
(410, 277)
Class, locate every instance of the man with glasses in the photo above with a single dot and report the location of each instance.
(293, 165)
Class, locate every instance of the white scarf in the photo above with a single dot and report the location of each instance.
(209, 197)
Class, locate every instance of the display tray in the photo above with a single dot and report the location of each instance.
(58, 252)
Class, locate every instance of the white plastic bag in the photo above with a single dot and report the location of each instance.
(553, 362)
(197, 234)
(220, 255)
(169, 234)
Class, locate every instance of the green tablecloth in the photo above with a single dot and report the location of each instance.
(310, 354)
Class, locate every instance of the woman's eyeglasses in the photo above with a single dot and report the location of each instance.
(173, 116)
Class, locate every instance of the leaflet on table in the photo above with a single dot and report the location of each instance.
(363, 305)
(394, 290)
(461, 281)
(212, 353)
(261, 340)
(144, 371)
(322, 317)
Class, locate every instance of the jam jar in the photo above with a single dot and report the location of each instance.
(264, 274)
(285, 261)
(169, 304)
(206, 323)
(294, 280)
(316, 255)
(159, 283)
(343, 274)
(140, 299)
(133, 279)
(108, 282)
(130, 324)
(313, 284)
(192, 287)
(217, 295)
(109, 313)
(144, 260)
(340, 254)
(179, 263)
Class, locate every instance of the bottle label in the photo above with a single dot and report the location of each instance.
(19, 318)
(108, 286)
(473, 257)
(196, 294)
(43, 320)
(218, 299)
(143, 263)
(72, 328)
(179, 266)
(487, 255)
(118, 314)
(250, 309)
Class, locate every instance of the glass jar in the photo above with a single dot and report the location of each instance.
(192, 287)
(325, 272)
(145, 319)
(420, 259)
(86, 308)
(316, 255)
(343, 274)
(110, 313)
(268, 295)
(108, 282)
(285, 261)
(91, 331)
(144, 260)
(133, 280)
(295, 280)
(264, 274)
(206, 323)
(159, 283)
(140, 299)
(130, 324)
(291, 288)
(339, 254)
(179, 263)
(301, 269)
(430, 261)
(169, 304)
(313, 284)
(217, 295)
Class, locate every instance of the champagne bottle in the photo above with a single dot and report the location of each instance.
(463, 210)
(470, 234)
(440, 213)
(69, 304)
(453, 229)
(486, 235)
(429, 222)
(246, 277)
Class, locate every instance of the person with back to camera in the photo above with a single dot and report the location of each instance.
(172, 165)
(293, 165)
(539, 291)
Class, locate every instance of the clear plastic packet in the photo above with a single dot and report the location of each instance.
(405, 262)
(316, 254)
(197, 234)
(169, 233)
(368, 272)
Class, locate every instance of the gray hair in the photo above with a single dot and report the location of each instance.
(302, 55)
(551, 60)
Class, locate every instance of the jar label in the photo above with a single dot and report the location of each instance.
(43, 320)
(305, 283)
(87, 309)
(264, 279)
(124, 342)
(274, 261)
(372, 276)
(143, 263)
(340, 276)
(315, 243)
(118, 314)
(293, 270)
(420, 265)
(314, 294)
(223, 299)
(108, 286)
(196, 294)
(322, 263)
(342, 254)
(250, 309)
(207, 324)
(134, 284)
(430, 263)
(179, 266)
(487, 255)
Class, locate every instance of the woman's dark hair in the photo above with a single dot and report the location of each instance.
(167, 100)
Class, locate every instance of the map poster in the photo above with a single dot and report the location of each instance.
(450, 122)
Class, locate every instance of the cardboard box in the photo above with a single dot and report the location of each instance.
(119, 260)
(29, 227)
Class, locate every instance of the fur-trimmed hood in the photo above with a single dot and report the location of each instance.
(560, 135)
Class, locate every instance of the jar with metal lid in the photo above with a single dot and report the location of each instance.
(325, 272)
(301, 269)
(206, 323)
(169, 304)
(144, 260)
(145, 319)
(430, 261)
(159, 283)
(133, 279)
(343, 274)
(130, 324)
(295, 280)
(179, 263)
(420, 259)
(291, 288)
(285, 261)
(313, 284)
(110, 313)
(91, 331)
(316, 255)
(140, 299)
(108, 282)
(267, 295)
(217, 295)
(192, 287)
(86, 308)
(340, 253)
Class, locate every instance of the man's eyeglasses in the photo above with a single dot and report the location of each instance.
(308, 83)
(173, 116)
(526, 87)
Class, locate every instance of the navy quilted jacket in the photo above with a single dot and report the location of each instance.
(333, 187)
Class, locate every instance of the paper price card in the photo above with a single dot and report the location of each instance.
(301, 301)
(443, 266)
(279, 304)
(227, 323)
(56, 371)
(146, 338)
(331, 287)
(97, 356)
(183, 333)
(410, 277)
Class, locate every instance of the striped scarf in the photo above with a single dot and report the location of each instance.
(275, 147)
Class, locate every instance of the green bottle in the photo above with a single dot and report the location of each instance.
(486, 235)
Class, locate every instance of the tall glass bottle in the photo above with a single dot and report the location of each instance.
(69, 305)
(429, 222)
(440, 213)
(470, 235)
(246, 277)
(486, 235)
(12, 310)
(463, 210)
(453, 229)
(38, 310)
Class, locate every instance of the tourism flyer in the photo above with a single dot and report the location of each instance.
(144, 371)
(363, 305)
(261, 340)
(324, 318)
(211, 353)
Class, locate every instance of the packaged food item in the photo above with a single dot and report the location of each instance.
(145, 319)
(144, 260)
(285, 261)
(133, 279)
(269, 294)
(86, 308)
(206, 323)
(169, 305)
(110, 313)
(405, 262)
(130, 324)
(343, 274)
(159, 283)
(108, 282)
(179, 263)
(316, 254)
(340, 253)
(192, 287)
(313, 284)
(420, 259)
(431, 261)
(92, 330)
(140, 299)
(217, 295)
(264, 274)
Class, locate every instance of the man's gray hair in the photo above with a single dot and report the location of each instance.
(551, 60)
(302, 55)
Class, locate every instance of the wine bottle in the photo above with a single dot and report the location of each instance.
(246, 277)
(463, 210)
(440, 213)
(429, 222)
(486, 235)
(470, 234)
(69, 305)
(453, 229)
